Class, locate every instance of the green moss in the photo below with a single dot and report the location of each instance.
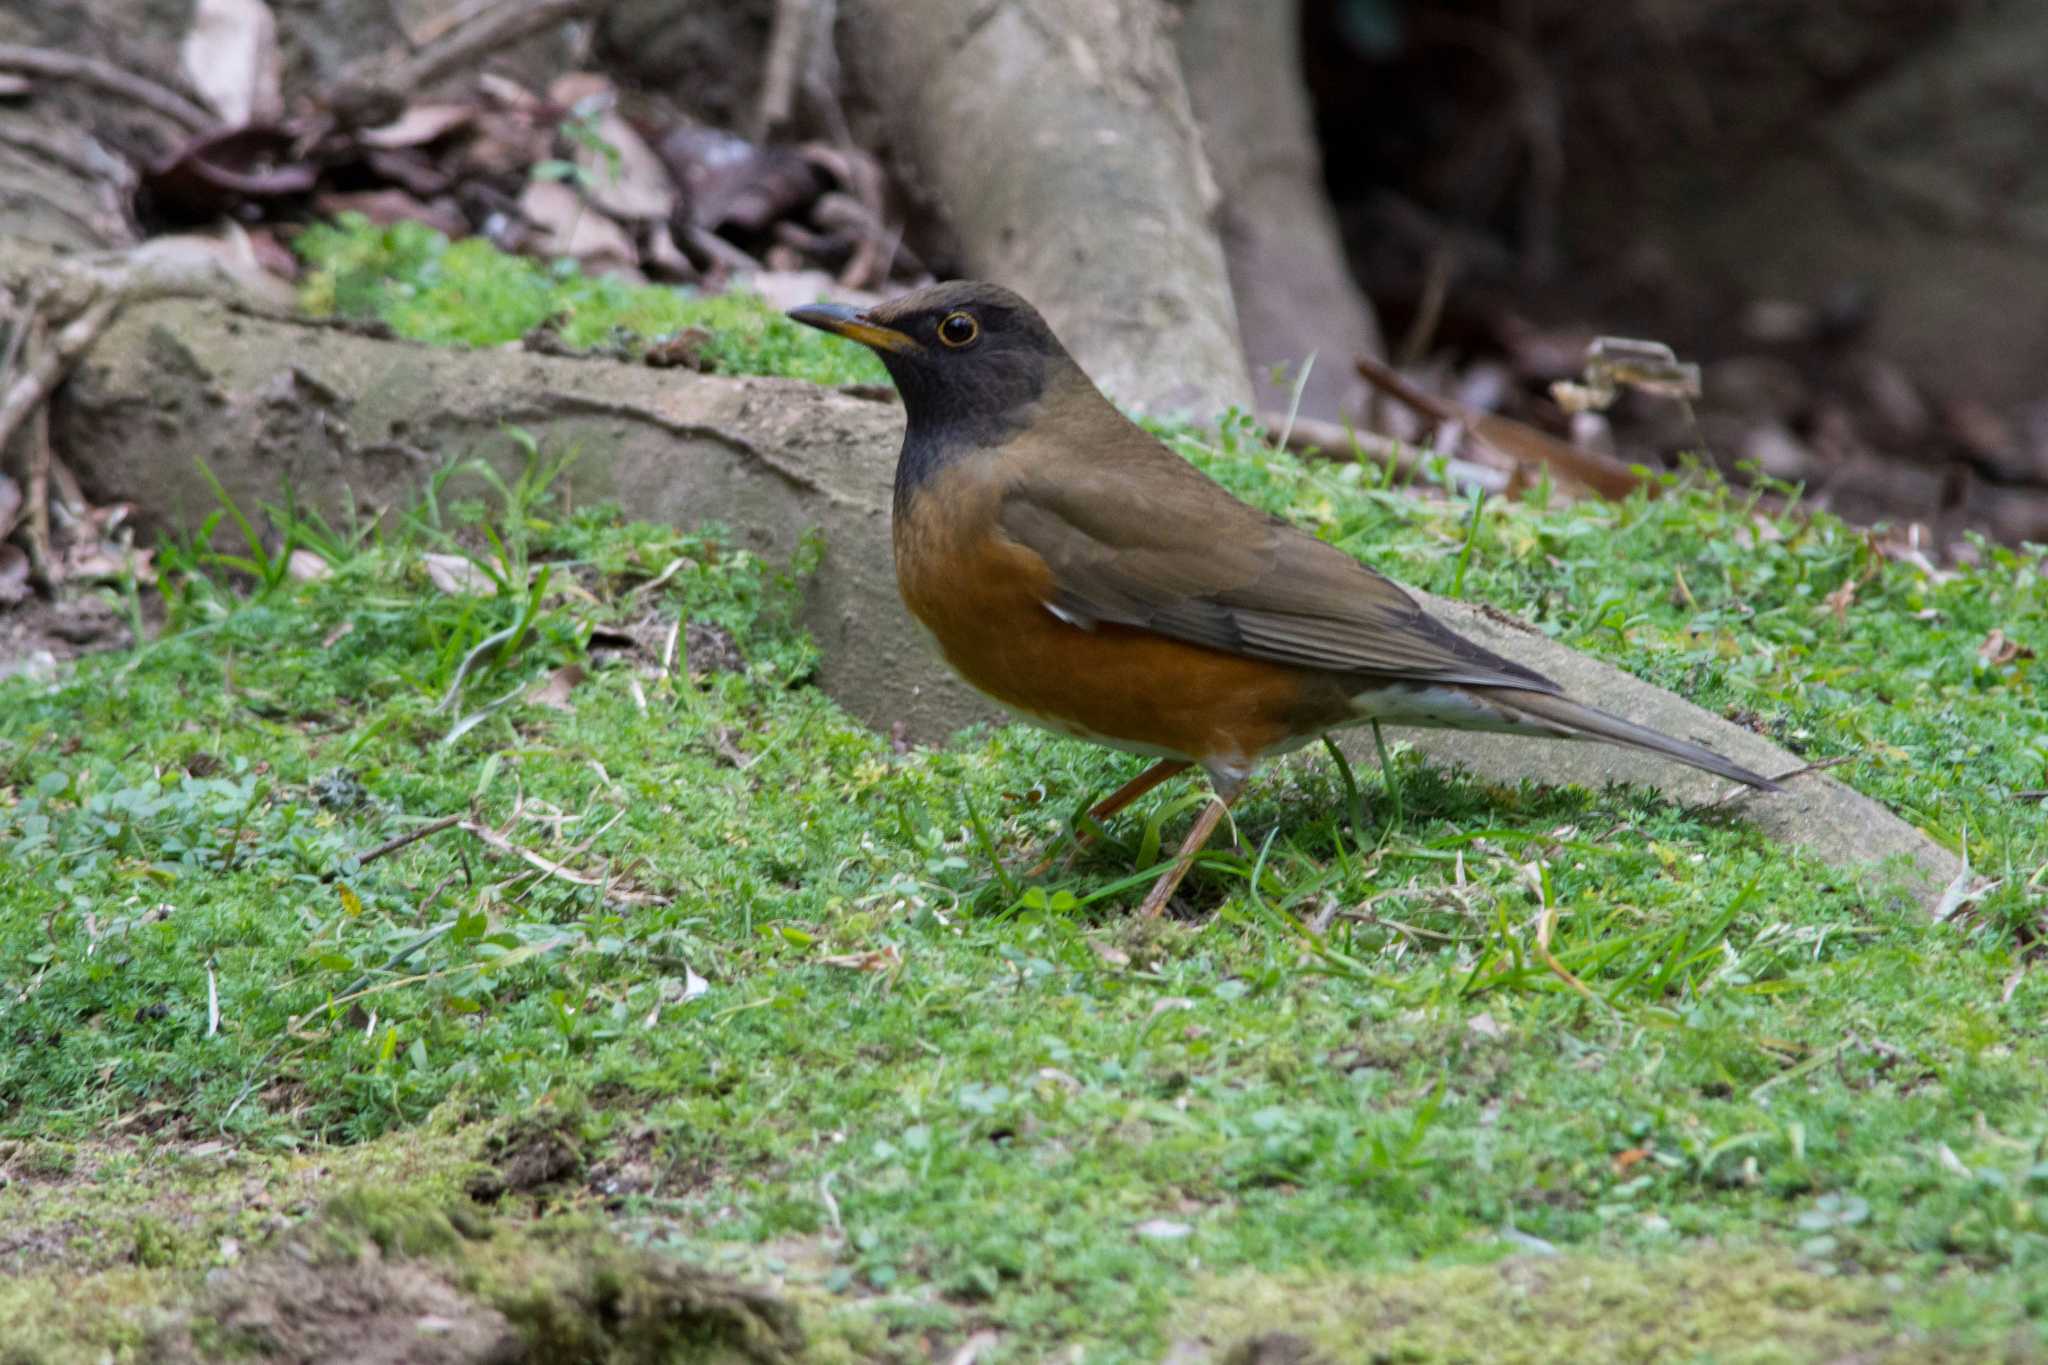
(1751, 1307)
(468, 293)
(577, 1295)
(399, 1221)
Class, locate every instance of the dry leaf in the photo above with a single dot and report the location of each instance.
(1840, 600)
(573, 228)
(1115, 957)
(1624, 1160)
(685, 350)
(419, 125)
(10, 504)
(230, 52)
(665, 258)
(306, 567)
(506, 92)
(1486, 1026)
(630, 181)
(874, 960)
(553, 691)
(458, 577)
(99, 562)
(1997, 650)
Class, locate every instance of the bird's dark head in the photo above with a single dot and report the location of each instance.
(973, 361)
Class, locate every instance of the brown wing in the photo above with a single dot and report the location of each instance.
(1147, 540)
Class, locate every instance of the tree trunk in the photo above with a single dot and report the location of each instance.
(1294, 291)
(1056, 139)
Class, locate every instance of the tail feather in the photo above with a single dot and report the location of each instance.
(1574, 720)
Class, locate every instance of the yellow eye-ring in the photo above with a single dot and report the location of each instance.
(959, 329)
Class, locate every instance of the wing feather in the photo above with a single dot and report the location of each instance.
(1172, 552)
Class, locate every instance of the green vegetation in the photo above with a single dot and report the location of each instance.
(802, 1031)
(468, 293)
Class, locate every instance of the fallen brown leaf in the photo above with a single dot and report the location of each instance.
(874, 960)
(1998, 650)
(574, 229)
(458, 577)
(1114, 956)
(1840, 600)
(419, 125)
(553, 691)
(97, 562)
(630, 182)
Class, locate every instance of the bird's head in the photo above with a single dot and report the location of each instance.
(971, 359)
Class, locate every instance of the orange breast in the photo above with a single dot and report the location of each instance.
(983, 598)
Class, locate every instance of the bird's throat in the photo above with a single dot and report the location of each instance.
(934, 442)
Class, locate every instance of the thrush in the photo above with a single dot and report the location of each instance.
(1078, 572)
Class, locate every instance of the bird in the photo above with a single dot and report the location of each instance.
(1078, 572)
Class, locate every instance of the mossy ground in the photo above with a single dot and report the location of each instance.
(805, 1033)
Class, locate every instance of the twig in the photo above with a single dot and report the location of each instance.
(150, 94)
(788, 39)
(440, 25)
(831, 1204)
(462, 45)
(17, 328)
(1518, 441)
(1813, 1063)
(720, 252)
(1333, 441)
(45, 368)
(399, 958)
(470, 660)
(1534, 873)
(1436, 287)
(561, 871)
(37, 530)
(391, 846)
(1817, 767)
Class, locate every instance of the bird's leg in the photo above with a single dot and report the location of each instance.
(1111, 804)
(1204, 826)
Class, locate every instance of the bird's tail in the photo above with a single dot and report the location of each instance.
(1567, 719)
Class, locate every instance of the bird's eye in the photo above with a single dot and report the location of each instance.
(959, 329)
